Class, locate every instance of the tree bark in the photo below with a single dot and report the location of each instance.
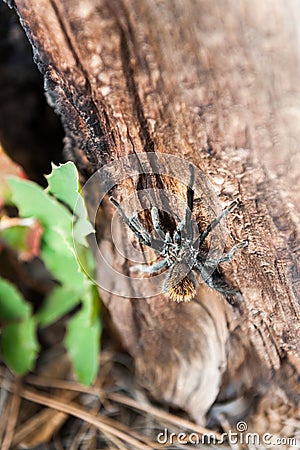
(215, 83)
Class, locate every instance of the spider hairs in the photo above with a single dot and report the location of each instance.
(182, 255)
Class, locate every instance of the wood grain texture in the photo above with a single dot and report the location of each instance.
(215, 83)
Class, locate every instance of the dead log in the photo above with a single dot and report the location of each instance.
(216, 84)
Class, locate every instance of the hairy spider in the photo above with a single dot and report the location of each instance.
(180, 254)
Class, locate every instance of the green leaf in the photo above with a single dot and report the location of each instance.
(63, 183)
(62, 263)
(64, 235)
(19, 345)
(68, 193)
(59, 302)
(57, 241)
(83, 339)
(81, 229)
(12, 304)
(33, 201)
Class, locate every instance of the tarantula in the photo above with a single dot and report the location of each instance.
(180, 254)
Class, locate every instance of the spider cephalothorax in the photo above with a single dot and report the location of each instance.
(181, 253)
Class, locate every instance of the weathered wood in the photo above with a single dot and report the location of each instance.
(215, 83)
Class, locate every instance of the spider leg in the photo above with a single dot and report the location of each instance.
(221, 286)
(217, 220)
(216, 283)
(150, 269)
(156, 223)
(134, 224)
(227, 257)
(190, 191)
(233, 296)
(190, 204)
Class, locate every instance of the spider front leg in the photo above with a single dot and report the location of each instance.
(134, 224)
(217, 220)
(186, 225)
(156, 223)
(190, 204)
(190, 191)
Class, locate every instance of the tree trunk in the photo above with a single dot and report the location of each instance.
(214, 83)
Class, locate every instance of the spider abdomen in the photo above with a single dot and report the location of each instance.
(180, 283)
(184, 291)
